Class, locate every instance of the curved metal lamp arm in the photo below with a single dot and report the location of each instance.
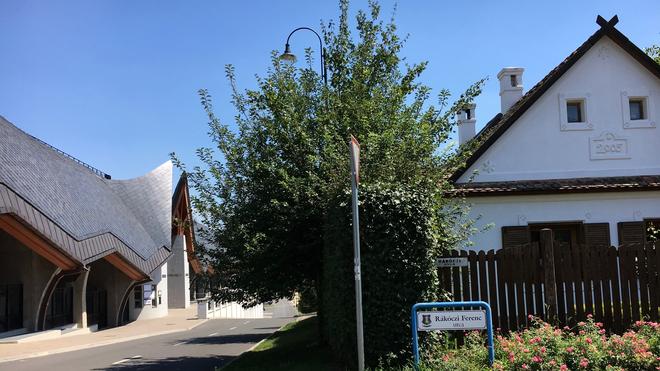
(324, 73)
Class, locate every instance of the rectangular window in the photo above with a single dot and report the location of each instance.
(153, 296)
(637, 111)
(566, 235)
(137, 296)
(574, 111)
(514, 81)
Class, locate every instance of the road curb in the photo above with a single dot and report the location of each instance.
(96, 345)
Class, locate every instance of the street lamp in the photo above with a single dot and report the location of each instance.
(288, 56)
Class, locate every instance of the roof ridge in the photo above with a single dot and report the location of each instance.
(69, 157)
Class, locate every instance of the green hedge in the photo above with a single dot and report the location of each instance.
(399, 245)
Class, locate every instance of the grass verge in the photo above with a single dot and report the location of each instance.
(294, 347)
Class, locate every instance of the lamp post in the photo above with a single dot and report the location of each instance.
(290, 57)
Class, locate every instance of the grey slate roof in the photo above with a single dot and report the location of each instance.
(83, 204)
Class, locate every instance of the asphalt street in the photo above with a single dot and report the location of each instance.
(212, 344)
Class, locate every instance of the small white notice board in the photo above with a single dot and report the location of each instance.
(451, 320)
(451, 262)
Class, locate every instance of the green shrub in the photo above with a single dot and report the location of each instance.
(398, 245)
(308, 301)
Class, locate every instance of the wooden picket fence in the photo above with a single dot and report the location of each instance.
(556, 283)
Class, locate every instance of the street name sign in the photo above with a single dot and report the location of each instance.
(451, 320)
(451, 262)
(423, 318)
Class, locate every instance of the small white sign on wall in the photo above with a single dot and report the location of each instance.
(451, 262)
(608, 146)
(451, 320)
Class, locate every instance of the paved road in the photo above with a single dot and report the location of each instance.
(205, 347)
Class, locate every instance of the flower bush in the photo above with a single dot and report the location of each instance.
(544, 347)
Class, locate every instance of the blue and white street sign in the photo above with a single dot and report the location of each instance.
(424, 320)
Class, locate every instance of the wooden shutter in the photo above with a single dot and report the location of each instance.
(597, 234)
(631, 232)
(515, 236)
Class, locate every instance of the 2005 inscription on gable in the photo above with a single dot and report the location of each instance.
(608, 146)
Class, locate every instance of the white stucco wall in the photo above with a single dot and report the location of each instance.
(535, 147)
(587, 208)
(178, 271)
(148, 311)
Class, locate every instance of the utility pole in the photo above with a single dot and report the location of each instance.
(355, 181)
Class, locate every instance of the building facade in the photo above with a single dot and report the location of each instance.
(577, 153)
(80, 250)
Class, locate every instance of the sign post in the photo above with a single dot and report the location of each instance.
(354, 147)
(452, 320)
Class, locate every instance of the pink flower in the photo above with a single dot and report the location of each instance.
(537, 359)
(563, 367)
(581, 324)
(581, 332)
(599, 324)
(543, 349)
(570, 349)
(525, 367)
(590, 316)
(588, 340)
(584, 363)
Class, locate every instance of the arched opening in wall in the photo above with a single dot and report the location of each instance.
(106, 287)
(24, 275)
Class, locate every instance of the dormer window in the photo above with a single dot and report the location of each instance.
(574, 111)
(637, 109)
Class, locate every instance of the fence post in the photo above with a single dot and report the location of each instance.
(549, 283)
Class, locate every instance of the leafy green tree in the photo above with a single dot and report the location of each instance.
(654, 52)
(263, 191)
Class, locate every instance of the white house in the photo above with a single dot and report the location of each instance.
(578, 153)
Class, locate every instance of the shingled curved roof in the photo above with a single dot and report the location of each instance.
(85, 205)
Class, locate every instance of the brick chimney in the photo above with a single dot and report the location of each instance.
(511, 86)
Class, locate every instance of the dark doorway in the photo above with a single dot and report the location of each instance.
(11, 307)
(97, 307)
(60, 307)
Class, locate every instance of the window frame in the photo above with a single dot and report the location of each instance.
(585, 110)
(648, 121)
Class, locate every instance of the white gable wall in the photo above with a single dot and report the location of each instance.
(535, 147)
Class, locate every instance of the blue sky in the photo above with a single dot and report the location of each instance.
(114, 82)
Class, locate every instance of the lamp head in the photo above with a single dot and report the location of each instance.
(287, 55)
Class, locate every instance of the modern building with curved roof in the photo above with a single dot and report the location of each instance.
(78, 248)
